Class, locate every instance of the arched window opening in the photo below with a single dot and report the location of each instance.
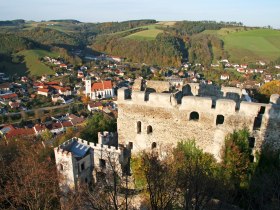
(194, 116)
(149, 129)
(130, 144)
(220, 119)
(154, 145)
(138, 127)
(252, 142)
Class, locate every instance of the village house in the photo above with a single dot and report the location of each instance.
(262, 63)
(80, 74)
(244, 66)
(250, 71)
(55, 128)
(5, 88)
(19, 132)
(241, 70)
(63, 66)
(267, 78)
(63, 99)
(14, 105)
(260, 71)
(62, 90)
(117, 59)
(8, 97)
(75, 120)
(44, 91)
(224, 77)
(24, 79)
(39, 129)
(95, 106)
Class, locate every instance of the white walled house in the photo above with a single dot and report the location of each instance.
(224, 77)
(44, 92)
(99, 90)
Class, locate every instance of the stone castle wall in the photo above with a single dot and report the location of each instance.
(170, 122)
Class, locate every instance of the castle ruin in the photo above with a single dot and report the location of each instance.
(158, 119)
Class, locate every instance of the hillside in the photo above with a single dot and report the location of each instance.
(33, 64)
(149, 32)
(249, 45)
(27, 62)
(10, 43)
(147, 41)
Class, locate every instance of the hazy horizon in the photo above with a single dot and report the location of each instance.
(250, 12)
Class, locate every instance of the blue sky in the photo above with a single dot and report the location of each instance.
(250, 12)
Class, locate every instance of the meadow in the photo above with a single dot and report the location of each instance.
(150, 33)
(250, 45)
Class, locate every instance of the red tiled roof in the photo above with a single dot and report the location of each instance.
(101, 85)
(97, 104)
(62, 89)
(52, 83)
(5, 85)
(67, 124)
(8, 96)
(20, 132)
(43, 90)
(39, 128)
(54, 126)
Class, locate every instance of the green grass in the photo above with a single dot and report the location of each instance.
(149, 34)
(33, 64)
(250, 45)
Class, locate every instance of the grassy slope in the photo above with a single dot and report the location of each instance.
(149, 34)
(33, 63)
(250, 45)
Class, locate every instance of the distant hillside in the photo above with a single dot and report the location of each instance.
(164, 50)
(12, 22)
(252, 45)
(48, 36)
(147, 41)
(10, 43)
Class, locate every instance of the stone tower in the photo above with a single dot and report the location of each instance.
(88, 86)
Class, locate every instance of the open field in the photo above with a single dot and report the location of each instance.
(250, 45)
(149, 34)
(33, 63)
(167, 23)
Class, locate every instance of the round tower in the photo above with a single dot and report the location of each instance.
(88, 86)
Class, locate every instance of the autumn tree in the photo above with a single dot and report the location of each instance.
(97, 123)
(28, 178)
(162, 182)
(199, 180)
(270, 88)
(236, 157)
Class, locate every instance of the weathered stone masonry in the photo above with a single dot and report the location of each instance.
(159, 121)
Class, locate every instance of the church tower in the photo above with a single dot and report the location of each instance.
(88, 86)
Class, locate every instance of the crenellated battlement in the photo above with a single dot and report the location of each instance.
(150, 119)
(104, 138)
(196, 103)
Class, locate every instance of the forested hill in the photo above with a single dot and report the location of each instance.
(147, 41)
(10, 43)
